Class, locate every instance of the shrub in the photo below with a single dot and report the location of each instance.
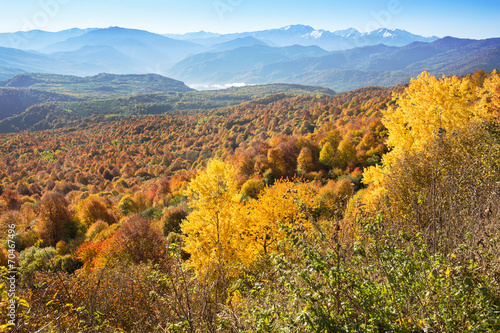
(386, 282)
(172, 219)
(252, 188)
(141, 239)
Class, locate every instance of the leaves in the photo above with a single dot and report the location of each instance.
(216, 236)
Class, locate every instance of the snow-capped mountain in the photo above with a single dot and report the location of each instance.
(394, 37)
(306, 35)
(348, 33)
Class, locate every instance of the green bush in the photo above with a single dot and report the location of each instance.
(385, 283)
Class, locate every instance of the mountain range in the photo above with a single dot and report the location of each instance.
(306, 35)
(341, 60)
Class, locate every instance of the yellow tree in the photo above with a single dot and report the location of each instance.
(491, 94)
(430, 106)
(287, 203)
(327, 155)
(429, 109)
(215, 232)
(345, 154)
(305, 161)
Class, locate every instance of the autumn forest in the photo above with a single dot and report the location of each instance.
(278, 208)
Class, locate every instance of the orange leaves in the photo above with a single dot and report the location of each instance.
(92, 209)
(54, 219)
(89, 253)
(135, 241)
(11, 200)
(99, 254)
(141, 240)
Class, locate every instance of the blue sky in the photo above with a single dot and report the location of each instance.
(459, 18)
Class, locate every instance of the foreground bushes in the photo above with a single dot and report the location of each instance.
(392, 283)
(385, 282)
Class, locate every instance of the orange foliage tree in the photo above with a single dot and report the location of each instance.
(55, 221)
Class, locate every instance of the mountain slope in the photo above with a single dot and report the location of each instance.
(350, 79)
(102, 85)
(37, 39)
(236, 43)
(82, 62)
(59, 110)
(100, 59)
(14, 101)
(391, 65)
(217, 67)
(8, 72)
(139, 44)
(28, 61)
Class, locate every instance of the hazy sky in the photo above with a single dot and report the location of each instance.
(459, 18)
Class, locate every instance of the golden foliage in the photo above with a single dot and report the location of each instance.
(428, 109)
(215, 236)
(252, 188)
(429, 116)
(92, 209)
(286, 202)
(223, 233)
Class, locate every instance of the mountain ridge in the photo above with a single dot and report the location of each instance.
(444, 56)
(255, 57)
(329, 40)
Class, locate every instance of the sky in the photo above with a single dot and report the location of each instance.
(459, 18)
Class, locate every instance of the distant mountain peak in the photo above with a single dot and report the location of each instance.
(114, 29)
(298, 28)
(317, 33)
(347, 32)
(244, 41)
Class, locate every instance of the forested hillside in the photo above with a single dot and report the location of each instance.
(64, 98)
(374, 210)
(98, 86)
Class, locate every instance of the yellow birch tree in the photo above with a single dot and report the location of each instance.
(215, 232)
